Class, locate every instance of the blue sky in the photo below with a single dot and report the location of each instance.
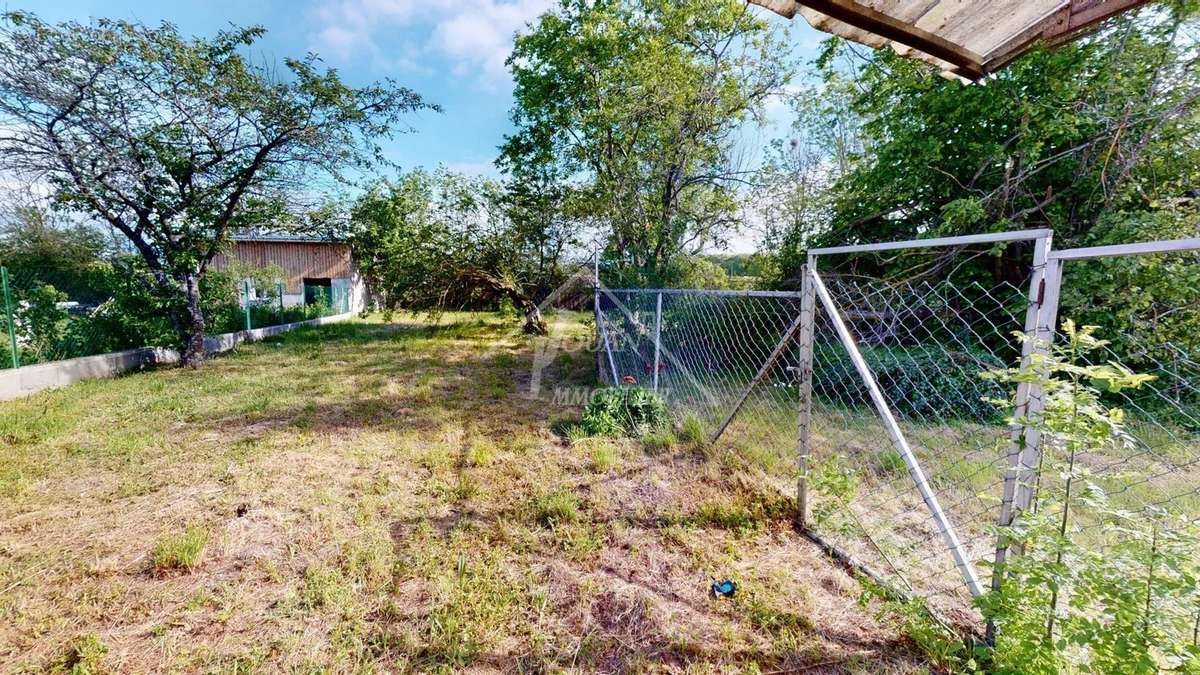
(452, 53)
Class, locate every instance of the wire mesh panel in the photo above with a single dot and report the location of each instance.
(908, 457)
(1128, 500)
(925, 341)
(714, 350)
(733, 358)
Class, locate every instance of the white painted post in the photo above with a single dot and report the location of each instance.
(1047, 327)
(1024, 440)
(657, 337)
(898, 439)
(807, 334)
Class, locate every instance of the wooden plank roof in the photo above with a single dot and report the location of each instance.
(967, 38)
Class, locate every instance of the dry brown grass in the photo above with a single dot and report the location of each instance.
(384, 497)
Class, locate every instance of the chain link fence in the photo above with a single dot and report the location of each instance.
(41, 323)
(862, 394)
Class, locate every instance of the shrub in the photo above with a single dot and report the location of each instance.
(633, 411)
(931, 381)
(1120, 598)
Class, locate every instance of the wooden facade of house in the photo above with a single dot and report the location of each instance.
(299, 260)
(310, 267)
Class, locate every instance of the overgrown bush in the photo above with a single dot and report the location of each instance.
(631, 411)
(1098, 588)
(931, 381)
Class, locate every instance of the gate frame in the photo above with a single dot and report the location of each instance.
(1028, 447)
(1025, 445)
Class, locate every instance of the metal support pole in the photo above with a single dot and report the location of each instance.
(805, 367)
(657, 337)
(12, 324)
(246, 288)
(898, 439)
(1026, 497)
(612, 364)
(279, 288)
(1024, 440)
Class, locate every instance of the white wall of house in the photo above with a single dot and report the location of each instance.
(354, 286)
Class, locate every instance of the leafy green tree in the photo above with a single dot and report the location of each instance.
(542, 214)
(1100, 130)
(36, 247)
(445, 240)
(174, 141)
(639, 103)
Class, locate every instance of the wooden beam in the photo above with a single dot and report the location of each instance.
(863, 17)
(1060, 26)
(784, 8)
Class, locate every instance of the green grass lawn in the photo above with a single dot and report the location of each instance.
(383, 497)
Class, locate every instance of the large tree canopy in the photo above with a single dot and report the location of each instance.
(1065, 139)
(640, 102)
(173, 141)
(1098, 140)
(447, 241)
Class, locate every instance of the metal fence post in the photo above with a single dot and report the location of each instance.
(279, 288)
(657, 337)
(1026, 497)
(1025, 441)
(603, 334)
(12, 324)
(805, 366)
(246, 287)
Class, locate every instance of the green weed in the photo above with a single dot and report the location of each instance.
(888, 462)
(624, 410)
(180, 552)
(556, 508)
(84, 657)
(324, 587)
(603, 455)
(691, 429)
(658, 441)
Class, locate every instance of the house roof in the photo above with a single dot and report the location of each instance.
(258, 234)
(964, 38)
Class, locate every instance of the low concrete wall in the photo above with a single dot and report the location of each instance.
(26, 380)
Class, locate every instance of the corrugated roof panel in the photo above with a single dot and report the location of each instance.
(968, 38)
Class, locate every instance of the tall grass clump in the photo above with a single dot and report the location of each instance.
(180, 552)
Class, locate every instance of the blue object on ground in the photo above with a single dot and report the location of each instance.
(724, 588)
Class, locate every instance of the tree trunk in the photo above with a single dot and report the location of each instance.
(193, 324)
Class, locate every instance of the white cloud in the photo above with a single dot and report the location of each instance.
(475, 38)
